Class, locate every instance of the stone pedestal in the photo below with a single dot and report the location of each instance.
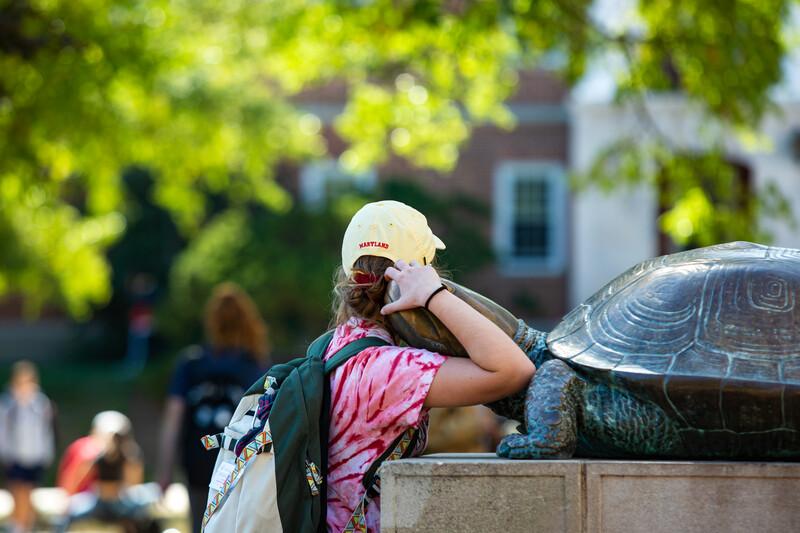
(482, 493)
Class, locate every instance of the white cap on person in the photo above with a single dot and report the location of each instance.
(392, 230)
(111, 423)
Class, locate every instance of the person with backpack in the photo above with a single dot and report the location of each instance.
(207, 385)
(303, 449)
(383, 392)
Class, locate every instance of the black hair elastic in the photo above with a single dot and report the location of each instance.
(434, 293)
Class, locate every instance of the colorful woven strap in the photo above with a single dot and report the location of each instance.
(265, 402)
(313, 478)
(358, 520)
(262, 442)
(220, 440)
(402, 446)
(211, 442)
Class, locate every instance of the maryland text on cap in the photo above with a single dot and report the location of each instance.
(389, 229)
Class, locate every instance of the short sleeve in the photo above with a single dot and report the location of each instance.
(395, 383)
(179, 383)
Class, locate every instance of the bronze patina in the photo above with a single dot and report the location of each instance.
(689, 355)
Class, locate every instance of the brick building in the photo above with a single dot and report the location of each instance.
(519, 174)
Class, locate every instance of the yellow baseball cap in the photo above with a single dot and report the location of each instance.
(389, 229)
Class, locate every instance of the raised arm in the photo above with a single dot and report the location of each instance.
(496, 366)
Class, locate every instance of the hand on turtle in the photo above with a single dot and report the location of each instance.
(416, 284)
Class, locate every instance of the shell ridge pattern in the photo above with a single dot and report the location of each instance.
(572, 359)
(751, 311)
(634, 315)
(665, 383)
(679, 315)
(711, 335)
(589, 307)
(639, 320)
(615, 334)
(567, 321)
(765, 304)
(686, 307)
(707, 295)
(703, 318)
(778, 252)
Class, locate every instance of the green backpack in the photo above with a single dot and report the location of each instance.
(273, 454)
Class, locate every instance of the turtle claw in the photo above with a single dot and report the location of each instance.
(514, 447)
(526, 447)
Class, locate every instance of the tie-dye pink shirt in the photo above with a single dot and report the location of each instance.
(375, 397)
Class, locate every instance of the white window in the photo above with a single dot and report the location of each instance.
(325, 179)
(529, 217)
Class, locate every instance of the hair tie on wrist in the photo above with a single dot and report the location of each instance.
(443, 287)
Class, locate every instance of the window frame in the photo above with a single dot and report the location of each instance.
(315, 175)
(506, 176)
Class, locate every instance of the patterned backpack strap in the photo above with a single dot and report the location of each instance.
(358, 520)
(220, 440)
(261, 443)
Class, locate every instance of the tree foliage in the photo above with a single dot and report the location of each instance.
(200, 92)
(292, 285)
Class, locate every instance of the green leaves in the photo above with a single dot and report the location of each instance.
(726, 54)
(53, 254)
(204, 94)
(703, 197)
(407, 121)
(291, 284)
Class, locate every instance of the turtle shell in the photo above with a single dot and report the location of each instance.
(713, 335)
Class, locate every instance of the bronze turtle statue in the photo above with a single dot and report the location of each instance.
(689, 355)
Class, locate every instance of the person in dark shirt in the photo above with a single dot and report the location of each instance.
(207, 385)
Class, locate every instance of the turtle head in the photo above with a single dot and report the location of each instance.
(421, 329)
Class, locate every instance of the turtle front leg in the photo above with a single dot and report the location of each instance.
(551, 407)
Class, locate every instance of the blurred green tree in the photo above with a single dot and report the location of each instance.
(200, 93)
(143, 254)
(292, 284)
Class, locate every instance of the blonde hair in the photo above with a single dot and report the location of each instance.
(351, 299)
(232, 321)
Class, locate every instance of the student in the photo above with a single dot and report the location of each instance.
(115, 469)
(27, 440)
(207, 385)
(383, 391)
(76, 472)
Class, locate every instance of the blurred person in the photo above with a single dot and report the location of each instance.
(206, 387)
(27, 440)
(75, 470)
(140, 322)
(114, 469)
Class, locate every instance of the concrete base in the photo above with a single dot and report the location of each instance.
(482, 493)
